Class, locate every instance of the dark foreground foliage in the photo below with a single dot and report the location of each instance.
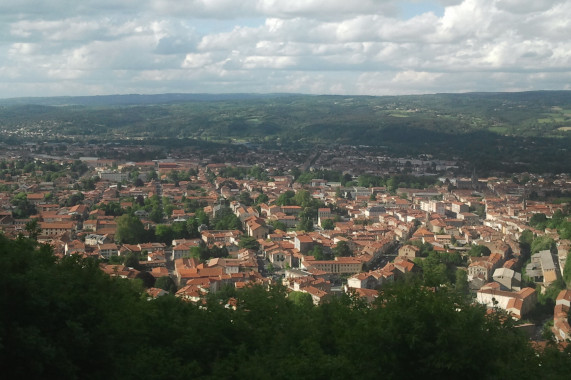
(65, 319)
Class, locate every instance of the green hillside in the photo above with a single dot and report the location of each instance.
(523, 131)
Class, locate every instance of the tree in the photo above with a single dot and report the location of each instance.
(328, 224)
(538, 221)
(201, 217)
(305, 224)
(433, 271)
(73, 200)
(479, 250)
(67, 319)
(302, 198)
(319, 254)
(245, 199)
(286, 198)
(146, 278)
(542, 243)
(132, 260)
(130, 229)
(567, 270)
(249, 243)
(461, 283)
(164, 233)
(342, 249)
(262, 198)
(166, 283)
(192, 228)
(156, 214)
(226, 220)
(22, 207)
(278, 225)
(300, 299)
(33, 228)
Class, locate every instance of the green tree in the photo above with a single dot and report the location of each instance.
(226, 220)
(33, 228)
(245, 199)
(164, 233)
(262, 198)
(73, 200)
(132, 260)
(302, 198)
(542, 243)
(301, 299)
(342, 249)
(479, 250)
(156, 214)
(305, 224)
(147, 279)
(567, 270)
(166, 283)
(286, 198)
(278, 225)
(249, 243)
(129, 229)
(461, 283)
(201, 217)
(319, 254)
(328, 224)
(538, 221)
(22, 208)
(434, 271)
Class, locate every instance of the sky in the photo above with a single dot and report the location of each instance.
(346, 47)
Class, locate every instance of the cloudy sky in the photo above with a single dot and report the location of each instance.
(374, 47)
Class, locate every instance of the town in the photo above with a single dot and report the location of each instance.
(318, 224)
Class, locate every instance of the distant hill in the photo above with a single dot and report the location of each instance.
(127, 99)
(519, 131)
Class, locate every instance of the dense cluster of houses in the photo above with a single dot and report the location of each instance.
(371, 222)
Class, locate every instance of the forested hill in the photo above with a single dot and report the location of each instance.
(526, 130)
(66, 319)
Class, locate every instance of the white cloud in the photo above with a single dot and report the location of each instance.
(313, 46)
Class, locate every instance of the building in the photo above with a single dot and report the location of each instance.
(543, 268)
(409, 251)
(341, 265)
(518, 304)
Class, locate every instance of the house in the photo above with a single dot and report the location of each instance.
(518, 304)
(56, 229)
(303, 243)
(482, 269)
(183, 249)
(370, 280)
(107, 250)
(409, 251)
(508, 278)
(280, 258)
(543, 268)
(341, 265)
(95, 239)
(561, 328)
(155, 293)
(221, 236)
(317, 295)
(256, 228)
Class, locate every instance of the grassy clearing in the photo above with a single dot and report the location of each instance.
(499, 130)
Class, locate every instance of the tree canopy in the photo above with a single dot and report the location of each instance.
(69, 320)
(129, 229)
